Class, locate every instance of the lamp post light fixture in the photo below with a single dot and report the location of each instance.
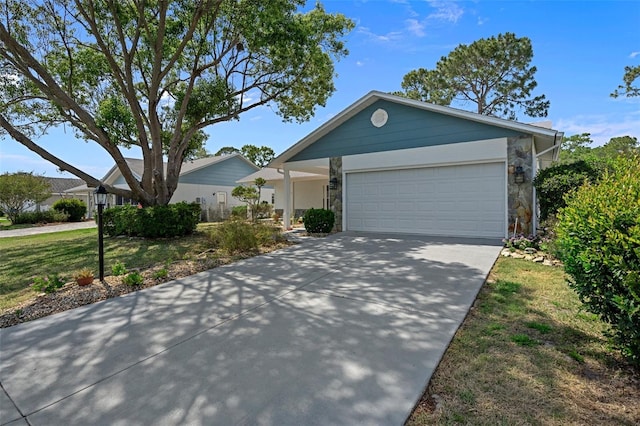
(100, 196)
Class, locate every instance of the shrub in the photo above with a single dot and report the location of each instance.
(48, 284)
(118, 268)
(133, 279)
(172, 220)
(522, 242)
(555, 182)
(598, 237)
(239, 212)
(236, 236)
(74, 208)
(47, 216)
(319, 221)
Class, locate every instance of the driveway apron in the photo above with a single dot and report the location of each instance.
(341, 330)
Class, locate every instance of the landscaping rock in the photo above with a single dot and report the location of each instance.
(539, 259)
(516, 255)
(530, 250)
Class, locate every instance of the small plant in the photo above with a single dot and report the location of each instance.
(524, 340)
(133, 279)
(83, 273)
(576, 356)
(522, 242)
(118, 269)
(83, 276)
(542, 328)
(48, 284)
(162, 273)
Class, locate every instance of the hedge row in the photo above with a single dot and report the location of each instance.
(172, 220)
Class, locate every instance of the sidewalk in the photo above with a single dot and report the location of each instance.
(46, 229)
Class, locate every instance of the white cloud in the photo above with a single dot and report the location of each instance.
(380, 38)
(445, 11)
(360, 63)
(602, 127)
(482, 21)
(256, 118)
(415, 27)
(634, 54)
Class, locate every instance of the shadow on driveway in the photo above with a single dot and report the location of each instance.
(341, 330)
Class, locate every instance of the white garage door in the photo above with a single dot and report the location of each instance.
(464, 201)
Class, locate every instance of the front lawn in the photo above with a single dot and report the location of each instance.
(527, 354)
(24, 258)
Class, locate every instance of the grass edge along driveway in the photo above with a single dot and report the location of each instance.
(527, 354)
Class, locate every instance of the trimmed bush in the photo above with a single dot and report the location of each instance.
(172, 220)
(598, 237)
(555, 182)
(319, 221)
(76, 209)
(47, 216)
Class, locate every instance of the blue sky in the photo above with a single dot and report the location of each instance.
(580, 50)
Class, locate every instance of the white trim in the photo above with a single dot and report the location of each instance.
(488, 151)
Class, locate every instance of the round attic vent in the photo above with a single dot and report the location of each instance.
(379, 117)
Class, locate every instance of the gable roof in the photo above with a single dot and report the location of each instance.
(59, 185)
(137, 165)
(546, 138)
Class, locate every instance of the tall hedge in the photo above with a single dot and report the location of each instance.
(172, 220)
(74, 208)
(555, 182)
(599, 242)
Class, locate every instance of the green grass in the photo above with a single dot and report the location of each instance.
(25, 258)
(528, 354)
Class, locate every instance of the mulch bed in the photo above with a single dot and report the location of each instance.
(71, 295)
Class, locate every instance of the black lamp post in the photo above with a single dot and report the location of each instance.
(100, 196)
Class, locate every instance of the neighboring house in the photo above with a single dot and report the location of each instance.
(59, 188)
(208, 181)
(403, 166)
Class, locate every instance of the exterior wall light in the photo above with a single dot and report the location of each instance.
(333, 183)
(518, 175)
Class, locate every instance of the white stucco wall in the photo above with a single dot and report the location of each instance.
(190, 192)
(458, 153)
(306, 194)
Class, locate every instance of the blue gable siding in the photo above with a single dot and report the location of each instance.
(224, 173)
(407, 127)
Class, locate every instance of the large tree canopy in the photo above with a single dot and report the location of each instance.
(260, 156)
(154, 74)
(493, 73)
(21, 190)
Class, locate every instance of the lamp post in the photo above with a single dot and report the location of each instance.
(100, 196)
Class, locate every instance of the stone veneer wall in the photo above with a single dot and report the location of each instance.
(520, 196)
(335, 195)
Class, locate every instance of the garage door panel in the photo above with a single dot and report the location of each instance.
(463, 200)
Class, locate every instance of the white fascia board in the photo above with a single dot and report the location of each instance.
(458, 153)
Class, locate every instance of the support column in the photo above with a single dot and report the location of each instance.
(286, 214)
(335, 195)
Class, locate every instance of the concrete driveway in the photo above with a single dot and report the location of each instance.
(341, 330)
